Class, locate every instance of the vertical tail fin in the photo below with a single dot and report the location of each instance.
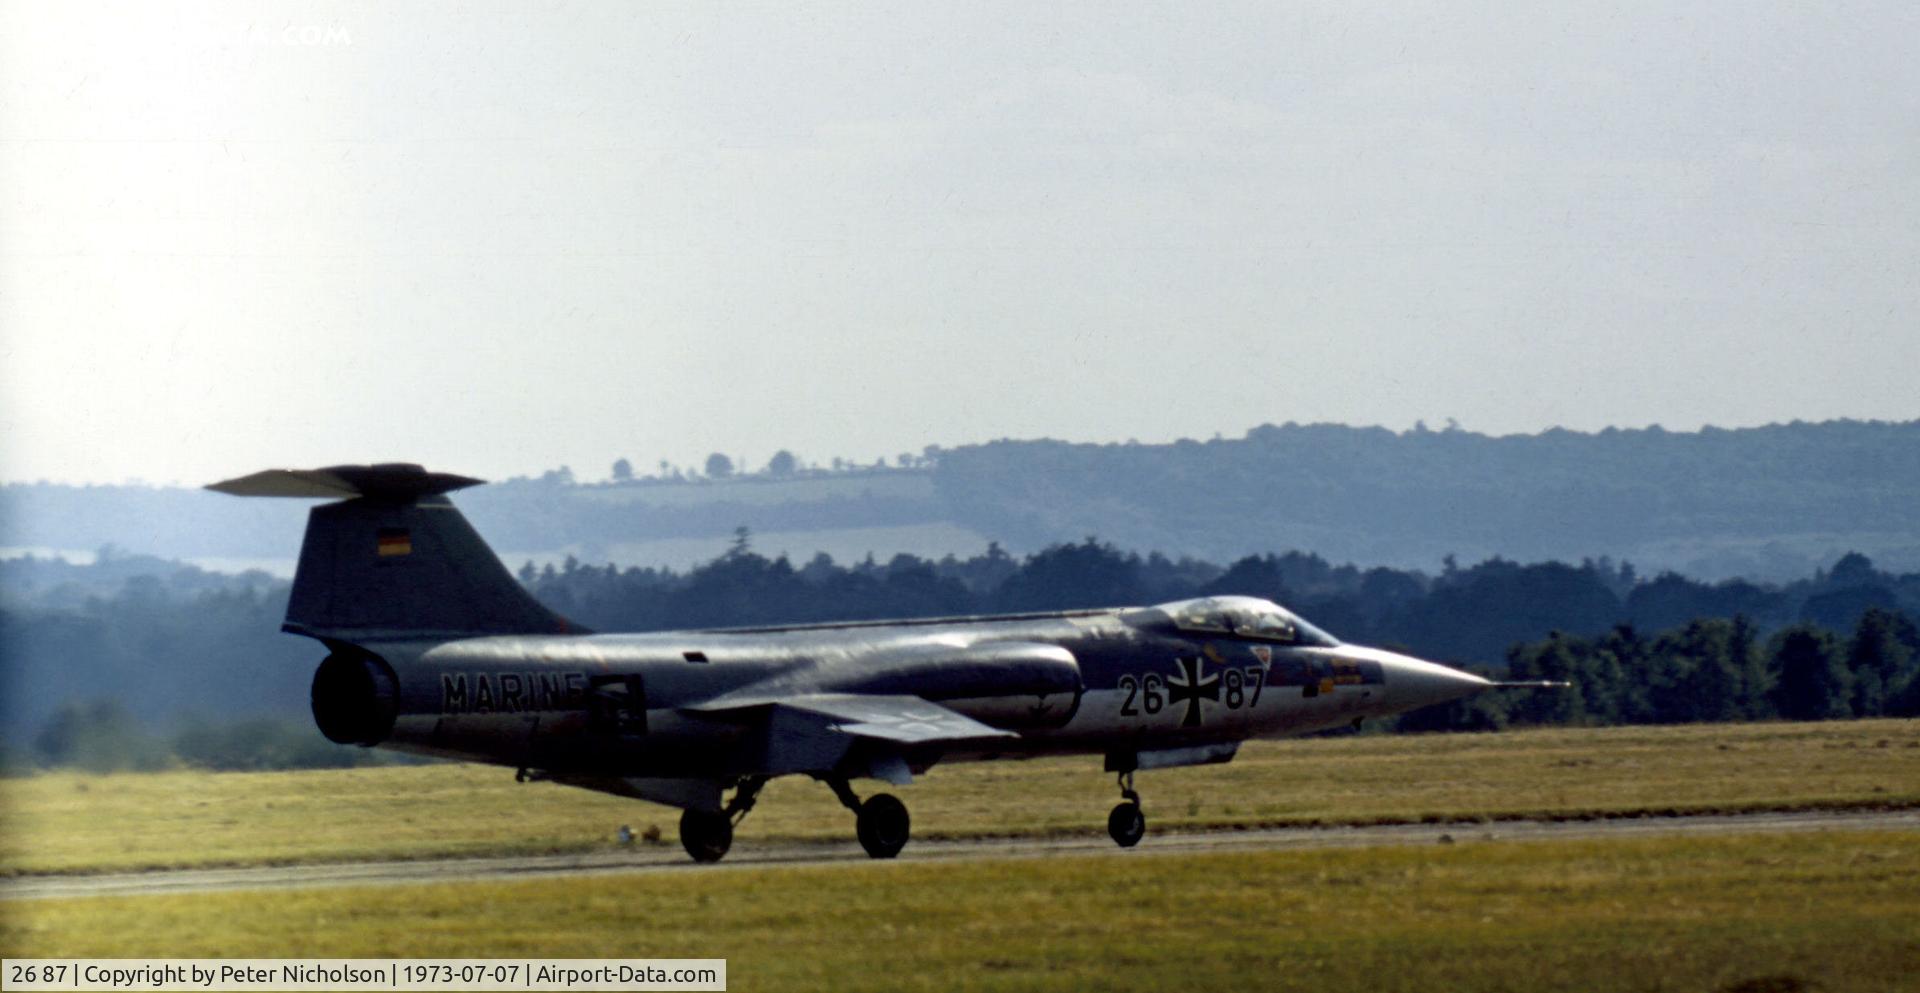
(395, 559)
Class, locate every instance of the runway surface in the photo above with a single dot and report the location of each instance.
(749, 855)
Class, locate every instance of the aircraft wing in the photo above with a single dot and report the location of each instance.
(909, 720)
(817, 732)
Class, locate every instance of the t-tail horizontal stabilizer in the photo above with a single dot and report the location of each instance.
(388, 480)
(394, 559)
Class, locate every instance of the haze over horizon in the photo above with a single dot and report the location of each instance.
(497, 239)
(601, 470)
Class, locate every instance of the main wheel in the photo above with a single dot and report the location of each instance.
(1127, 824)
(706, 834)
(882, 825)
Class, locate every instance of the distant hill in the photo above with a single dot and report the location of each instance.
(1770, 502)
(677, 522)
(1774, 501)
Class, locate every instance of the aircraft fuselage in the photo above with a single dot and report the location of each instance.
(1124, 682)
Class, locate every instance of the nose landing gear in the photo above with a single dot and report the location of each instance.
(1126, 824)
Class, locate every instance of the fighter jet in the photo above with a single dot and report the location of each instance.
(434, 649)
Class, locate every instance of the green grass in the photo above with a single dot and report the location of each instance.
(70, 822)
(1827, 911)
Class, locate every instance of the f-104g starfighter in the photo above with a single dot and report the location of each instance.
(434, 649)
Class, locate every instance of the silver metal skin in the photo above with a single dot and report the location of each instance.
(436, 650)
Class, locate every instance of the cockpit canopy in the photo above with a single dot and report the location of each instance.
(1246, 617)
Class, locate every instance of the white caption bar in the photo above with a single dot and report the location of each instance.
(571, 975)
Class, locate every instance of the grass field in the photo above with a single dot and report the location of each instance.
(1750, 913)
(76, 823)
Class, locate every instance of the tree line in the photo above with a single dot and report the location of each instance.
(94, 663)
(1710, 669)
(1838, 644)
(1468, 615)
(102, 735)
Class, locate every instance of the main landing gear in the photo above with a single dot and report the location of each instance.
(707, 834)
(1126, 823)
(881, 822)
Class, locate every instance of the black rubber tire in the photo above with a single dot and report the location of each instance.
(883, 825)
(706, 834)
(1127, 824)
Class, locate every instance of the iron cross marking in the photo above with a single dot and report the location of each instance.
(1190, 686)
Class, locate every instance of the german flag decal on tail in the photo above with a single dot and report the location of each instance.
(395, 541)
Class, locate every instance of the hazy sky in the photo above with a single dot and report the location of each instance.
(496, 238)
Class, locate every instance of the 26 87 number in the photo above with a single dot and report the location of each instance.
(1240, 688)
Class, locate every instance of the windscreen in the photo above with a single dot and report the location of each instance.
(1247, 617)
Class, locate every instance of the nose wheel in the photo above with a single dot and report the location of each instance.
(1126, 824)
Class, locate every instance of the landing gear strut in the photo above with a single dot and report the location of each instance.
(707, 834)
(1126, 823)
(881, 823)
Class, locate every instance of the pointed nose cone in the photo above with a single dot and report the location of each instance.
(1413, 683)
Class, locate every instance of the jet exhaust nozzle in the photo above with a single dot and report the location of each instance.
(355, 699)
